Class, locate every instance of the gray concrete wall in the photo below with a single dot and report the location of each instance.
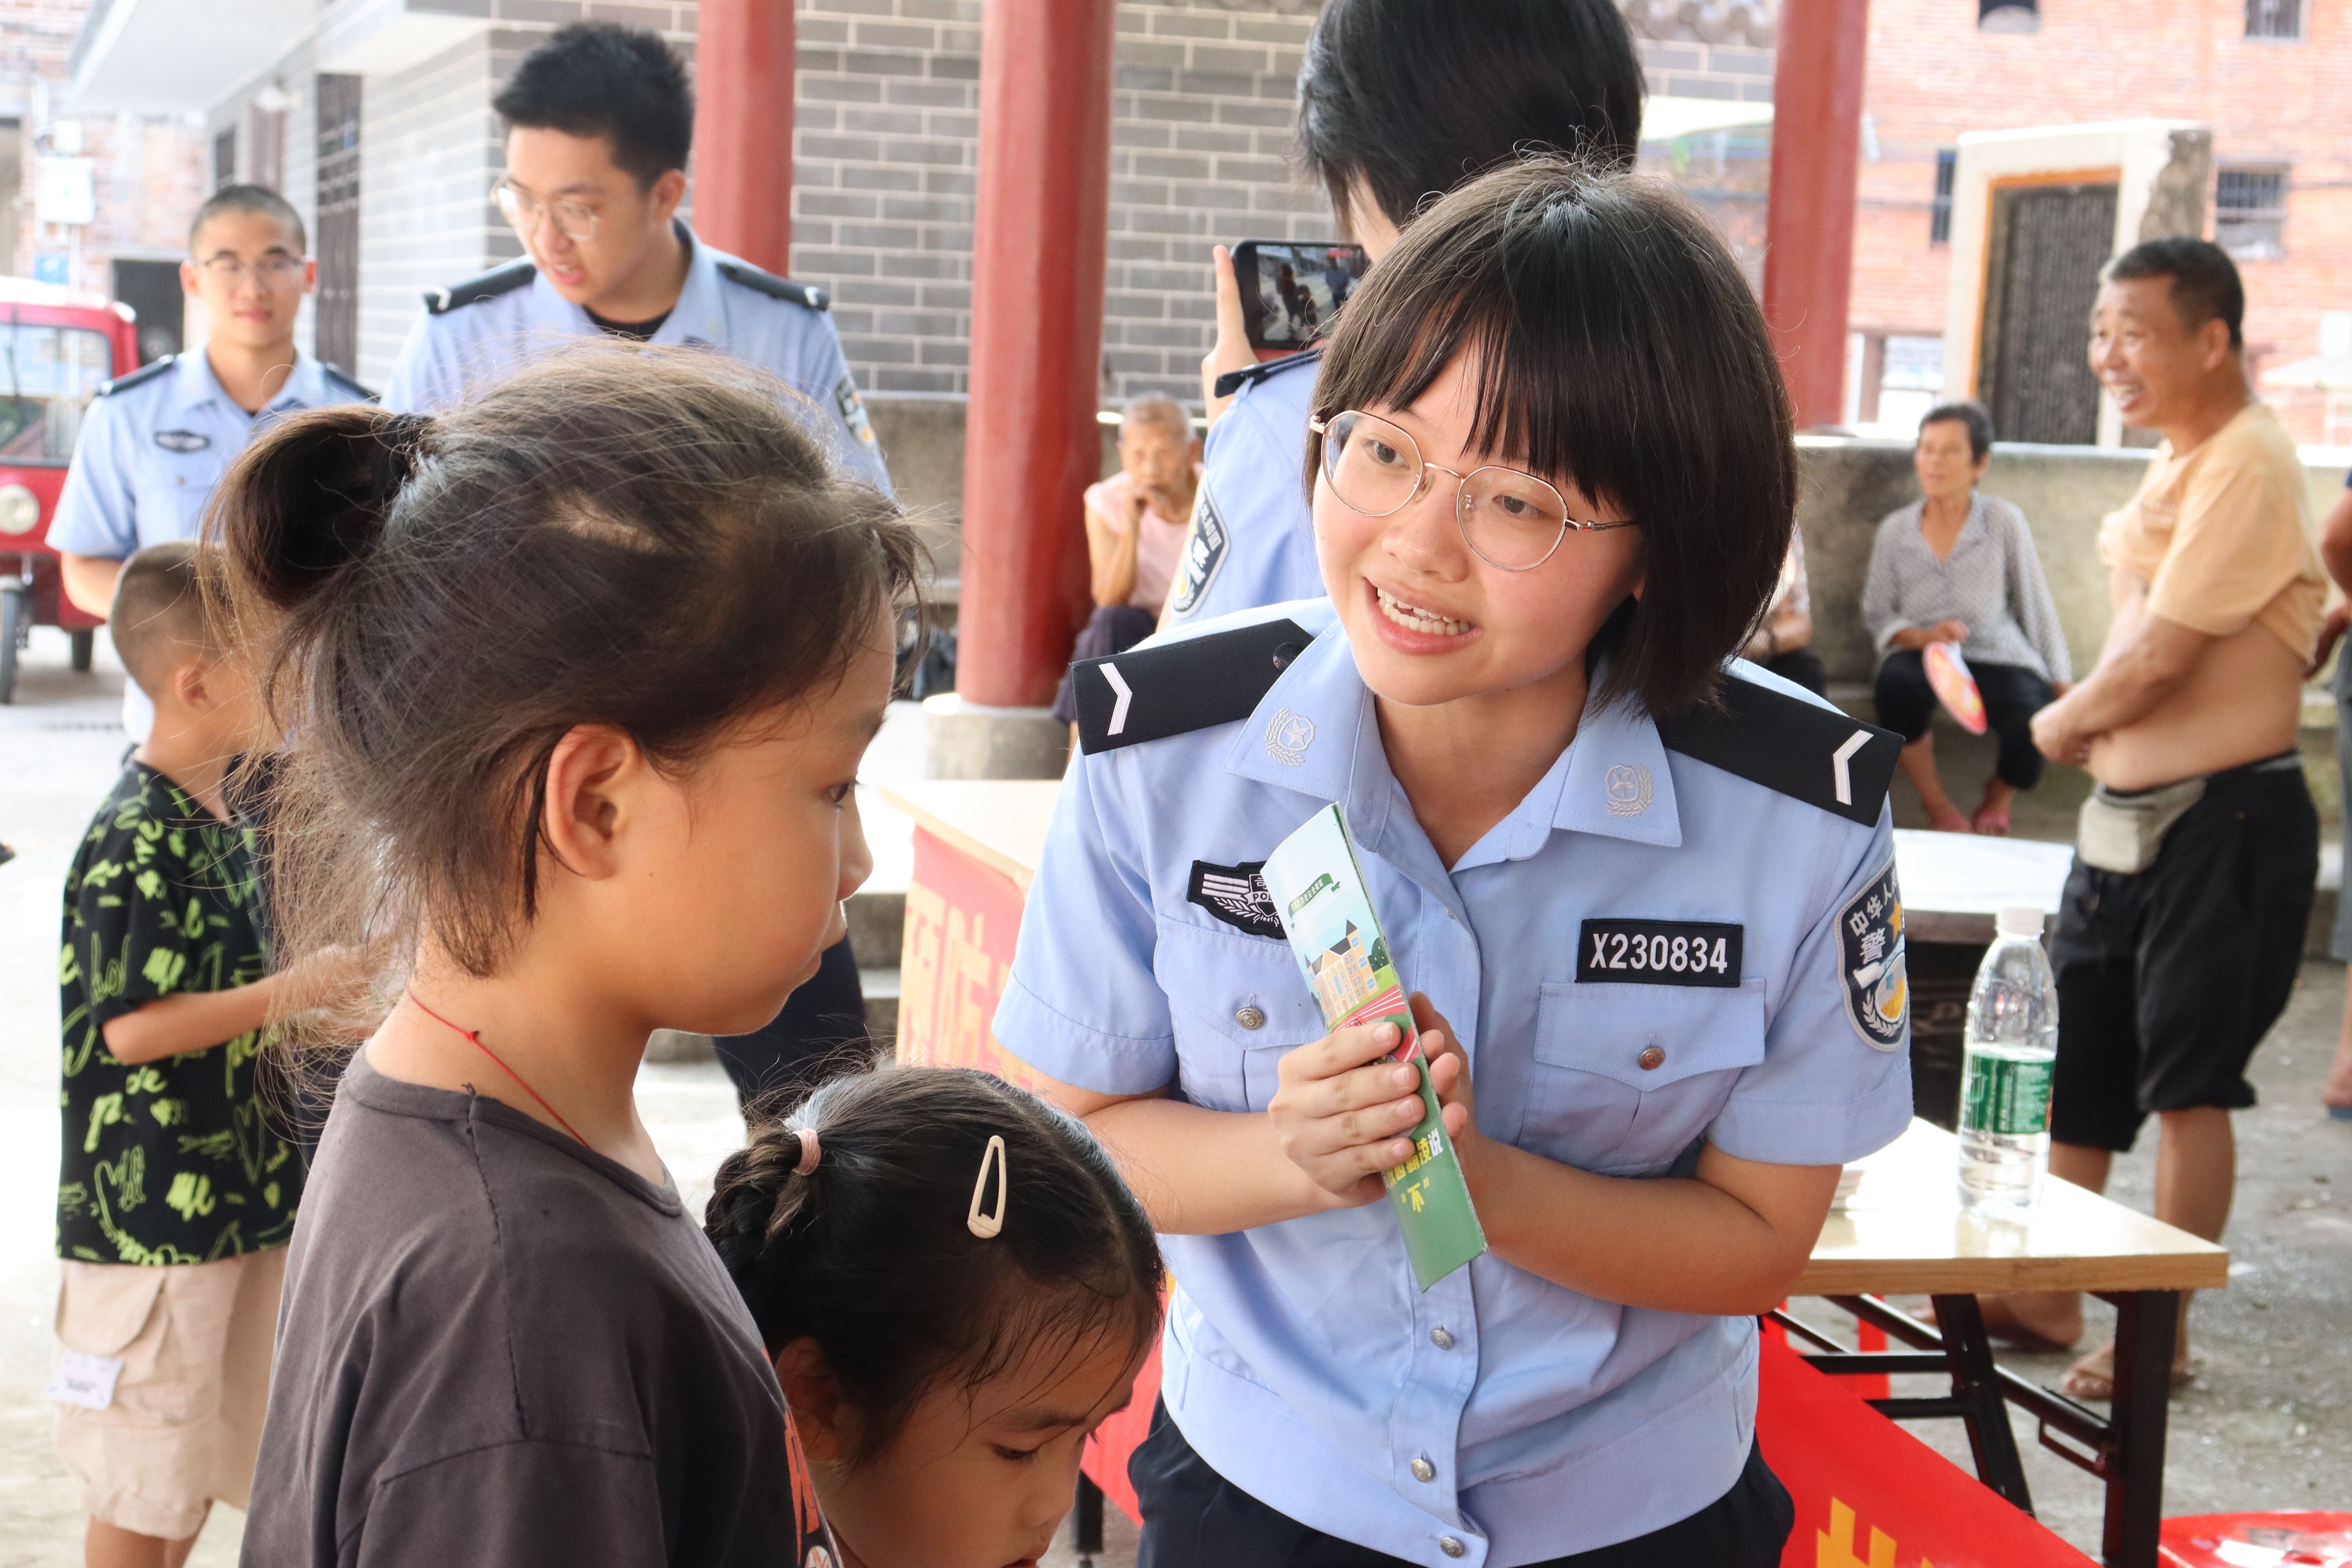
(1848, 485)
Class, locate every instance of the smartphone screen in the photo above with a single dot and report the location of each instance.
(1292, 289)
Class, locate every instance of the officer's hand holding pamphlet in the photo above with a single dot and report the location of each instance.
(1336, 936)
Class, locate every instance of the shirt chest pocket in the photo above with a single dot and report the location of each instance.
(1238, 1004)
(171, 495)
(1626, 1077)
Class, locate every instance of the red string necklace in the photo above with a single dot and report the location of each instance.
(475, 1036)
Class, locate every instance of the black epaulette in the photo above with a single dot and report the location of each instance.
(335, 373)
(1148, 694)
(1233, 381)
(1813, 753)
(773, 286)
(145, 372)
(497, 280)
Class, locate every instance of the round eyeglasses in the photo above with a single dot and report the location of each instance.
(1509, 519)
(574, 220)
(270, 271)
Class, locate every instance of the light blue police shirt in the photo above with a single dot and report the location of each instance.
(152, 445)
(464, 343)
(1300, 1362)
(1251, 542)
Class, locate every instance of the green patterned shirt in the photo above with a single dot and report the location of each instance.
(180, 1160)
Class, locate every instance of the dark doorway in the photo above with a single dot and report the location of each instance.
(2048, 245)
(153, 290)
(339, 221)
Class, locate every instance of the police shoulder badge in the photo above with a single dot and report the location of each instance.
(1205, 551)
(852, 409)
(1870, 960)
(1236, 895)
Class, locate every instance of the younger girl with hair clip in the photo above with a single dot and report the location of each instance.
(957, 1289)
(576, 682)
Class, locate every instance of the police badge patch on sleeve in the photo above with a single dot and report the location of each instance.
(853, 411)
(1236, 895)
(1204, 551)
(1870, 954)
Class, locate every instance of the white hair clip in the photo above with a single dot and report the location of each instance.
(986, 1225)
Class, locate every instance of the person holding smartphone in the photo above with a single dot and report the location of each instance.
(1398, 101)
(1649, 889)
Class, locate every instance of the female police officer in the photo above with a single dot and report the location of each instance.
(1652, 905)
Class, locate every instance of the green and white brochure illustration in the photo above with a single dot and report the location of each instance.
(1318, 893)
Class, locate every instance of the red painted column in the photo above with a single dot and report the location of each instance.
(743, 129)
(1031, 443)
(1808, 227)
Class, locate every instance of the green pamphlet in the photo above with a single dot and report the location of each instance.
(1318, 893)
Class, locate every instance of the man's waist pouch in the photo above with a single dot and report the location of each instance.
(2123, 830)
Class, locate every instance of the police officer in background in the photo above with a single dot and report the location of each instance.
(600, 119)
(156, 441)
(1398, 101)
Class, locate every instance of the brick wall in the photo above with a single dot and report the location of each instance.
(884, 170)
(149, 170)
(1932, 75)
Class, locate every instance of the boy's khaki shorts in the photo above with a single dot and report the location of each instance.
(185, 1423)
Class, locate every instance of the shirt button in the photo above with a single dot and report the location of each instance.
(1443, 1339)
(1653, 1058)
(1250, 1019)
(1450, 1546)
(1422, 1470)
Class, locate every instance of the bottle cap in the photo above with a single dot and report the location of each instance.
(2020, 920)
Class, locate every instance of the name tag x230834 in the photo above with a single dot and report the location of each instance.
(1659, 953)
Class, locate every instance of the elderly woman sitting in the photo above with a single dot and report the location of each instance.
(1958, 566)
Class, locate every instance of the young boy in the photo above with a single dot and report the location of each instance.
(177, 1197)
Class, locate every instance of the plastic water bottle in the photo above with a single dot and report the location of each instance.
(2005, 1080)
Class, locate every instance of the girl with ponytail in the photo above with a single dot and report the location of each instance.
(554, 675)
(957, 1289)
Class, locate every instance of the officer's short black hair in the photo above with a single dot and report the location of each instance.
(600, 78)
(1618, 347)
(1966, 412)
(2205, 282)
(1417, 96)
(257, 199)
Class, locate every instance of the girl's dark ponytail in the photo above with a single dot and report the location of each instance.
(871, 1254)
(310, 498)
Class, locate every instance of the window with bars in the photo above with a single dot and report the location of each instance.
(1939, 217)
(2250, 211)
(2275, 18)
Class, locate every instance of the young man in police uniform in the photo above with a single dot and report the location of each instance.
(600, 119)
(1398, 101)
(156, 441)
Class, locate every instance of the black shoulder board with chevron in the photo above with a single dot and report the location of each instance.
(145, 372)
(1816, 754)
(773, 286)
(499, 280)
(1233, 381)
(335, 373)
(1148, 694)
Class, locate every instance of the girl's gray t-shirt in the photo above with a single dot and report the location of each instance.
(498, 1346)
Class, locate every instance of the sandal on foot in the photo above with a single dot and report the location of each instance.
(2002, 1324)
(2085, 1383)
(1993, 821)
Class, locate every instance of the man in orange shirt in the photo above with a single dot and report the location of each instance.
(2182, 926)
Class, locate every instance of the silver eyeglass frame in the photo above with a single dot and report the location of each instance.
(1460, 491)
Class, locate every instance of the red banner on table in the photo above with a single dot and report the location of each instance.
(1870, 1495)
(961, 920)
